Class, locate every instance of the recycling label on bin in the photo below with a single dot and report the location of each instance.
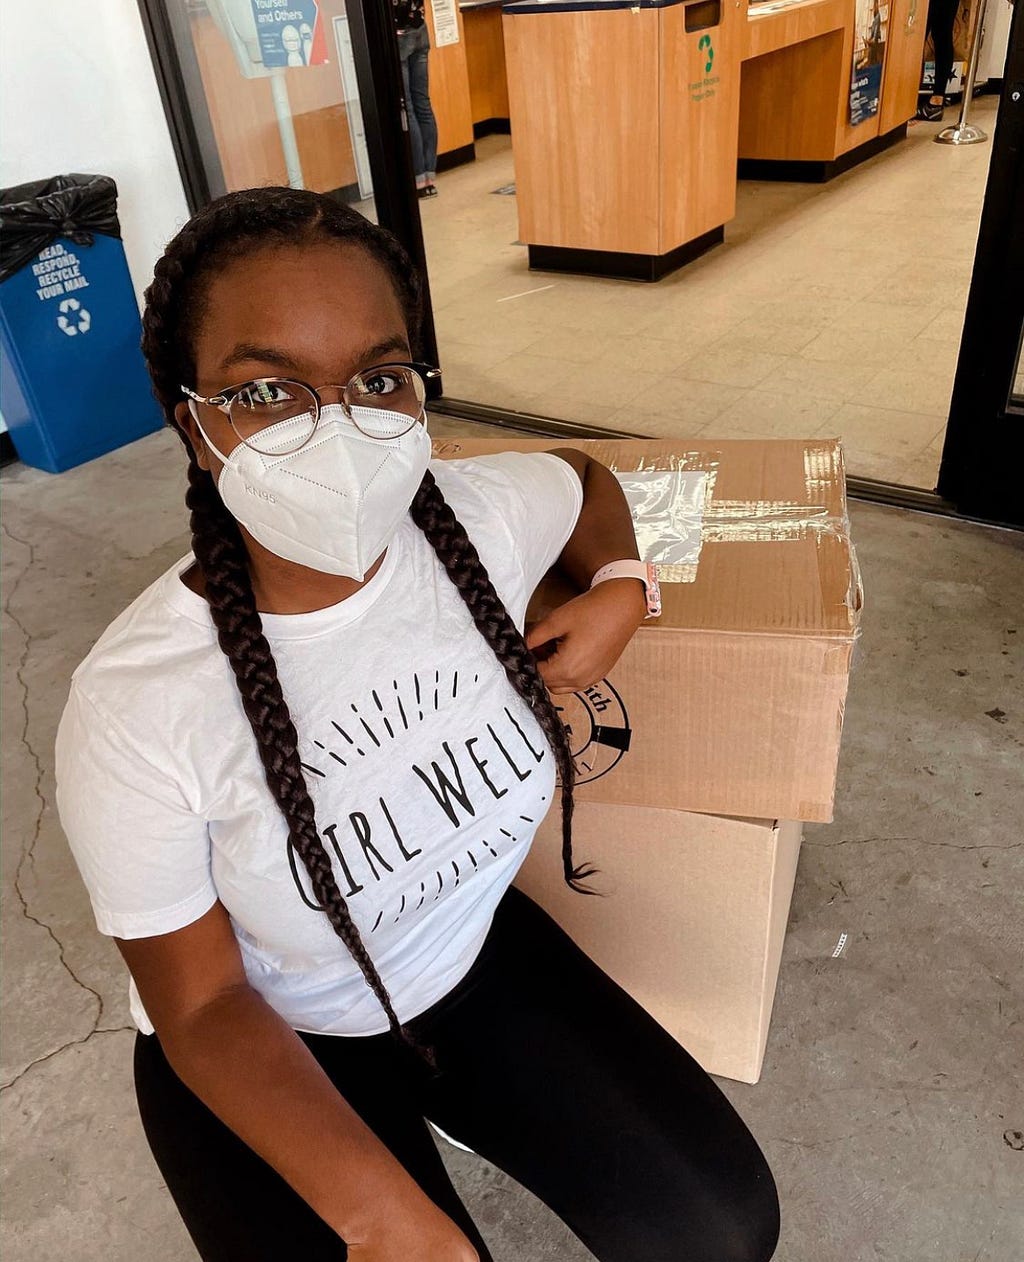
(58, 272)
(73, 318)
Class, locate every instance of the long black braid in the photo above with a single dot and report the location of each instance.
(229, 228)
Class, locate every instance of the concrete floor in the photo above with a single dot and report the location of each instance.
(892, 1100)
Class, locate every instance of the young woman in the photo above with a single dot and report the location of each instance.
(300, 772)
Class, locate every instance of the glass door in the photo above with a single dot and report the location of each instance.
(306, 93)
(982, 469)
(815, 316)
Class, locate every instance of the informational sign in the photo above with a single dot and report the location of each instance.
(58, 271)
(870, 30)
(705, 85)
(350, 94)
(446, 22)
(290, 33)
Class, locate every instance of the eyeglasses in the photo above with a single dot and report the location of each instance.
(276, 416)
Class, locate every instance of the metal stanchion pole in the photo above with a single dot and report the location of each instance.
(964, 133)
(285, 125)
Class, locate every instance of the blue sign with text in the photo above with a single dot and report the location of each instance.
(865, 91)
(289, 33)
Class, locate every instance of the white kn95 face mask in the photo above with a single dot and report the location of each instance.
(335, 504)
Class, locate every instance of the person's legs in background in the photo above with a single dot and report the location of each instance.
(418, 98)
(405, 50)
(941, 15)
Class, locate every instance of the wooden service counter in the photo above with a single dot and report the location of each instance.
(795, 87)
(631, 119)
(485, 62)
(244, 122)
(624, 120)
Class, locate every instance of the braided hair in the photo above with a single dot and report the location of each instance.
(227, 229)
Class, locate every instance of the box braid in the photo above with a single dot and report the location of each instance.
(228, 229)
(462, 562)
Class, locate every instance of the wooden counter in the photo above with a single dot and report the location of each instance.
(623, 131)
(631, 120)
(485, 61)
(795, 88)
(768, 30)
(245, 124)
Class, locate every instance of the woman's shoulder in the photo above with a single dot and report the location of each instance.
(518, 508)
(502, 478)
(161, 651)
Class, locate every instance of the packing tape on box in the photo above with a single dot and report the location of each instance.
(668, 508)
(675, 512)
(769, 521)
(772, 521)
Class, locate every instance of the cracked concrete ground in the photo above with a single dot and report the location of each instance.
(892, 1100)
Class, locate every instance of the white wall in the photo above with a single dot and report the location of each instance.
(78, 93)
(995, 40)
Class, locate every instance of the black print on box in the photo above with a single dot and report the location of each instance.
(598, 728)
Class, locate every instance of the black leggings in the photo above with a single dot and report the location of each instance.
(941, 14)
(549, 1070)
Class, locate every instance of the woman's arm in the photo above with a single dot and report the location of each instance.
(604, 530)
(210, 1022)
(589, 633)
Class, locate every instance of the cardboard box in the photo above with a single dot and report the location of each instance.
(732, 702)
(693, 922)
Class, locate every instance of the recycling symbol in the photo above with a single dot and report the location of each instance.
(70, 324)
(705, 42)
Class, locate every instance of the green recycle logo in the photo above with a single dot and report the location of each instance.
(705, 42)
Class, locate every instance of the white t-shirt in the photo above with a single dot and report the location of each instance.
(428, 773)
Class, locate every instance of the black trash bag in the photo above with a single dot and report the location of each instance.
(34, 215)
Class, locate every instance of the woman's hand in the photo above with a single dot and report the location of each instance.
(578, 643)
(423, 1233)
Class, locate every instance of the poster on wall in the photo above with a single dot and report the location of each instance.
(869, 35)
(446, 23)
(290, 33)
(268, 36)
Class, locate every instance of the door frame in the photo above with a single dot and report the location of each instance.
(982, 471)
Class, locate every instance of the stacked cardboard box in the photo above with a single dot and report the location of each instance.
(716, 734)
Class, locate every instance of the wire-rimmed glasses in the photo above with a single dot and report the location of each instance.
(277, 415)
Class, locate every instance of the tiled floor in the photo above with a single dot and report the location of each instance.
(829, 309)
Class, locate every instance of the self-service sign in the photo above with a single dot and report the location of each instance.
(290, 32)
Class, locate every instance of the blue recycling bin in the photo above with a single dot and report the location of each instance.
(73, 383)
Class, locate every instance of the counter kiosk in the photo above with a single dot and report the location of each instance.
(631, 119)
(624, 130)
(795, 87)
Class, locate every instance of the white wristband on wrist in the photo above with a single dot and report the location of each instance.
(644, 571)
